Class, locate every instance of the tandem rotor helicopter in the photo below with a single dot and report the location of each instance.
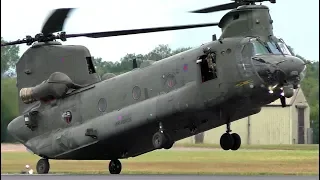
(68, 112)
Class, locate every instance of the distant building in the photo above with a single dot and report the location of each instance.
(272, 125)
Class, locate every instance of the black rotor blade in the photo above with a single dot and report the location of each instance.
(56, 21)
(120, 32)
(13, 43)
(217, 8)
(283, 101)
(138, 31)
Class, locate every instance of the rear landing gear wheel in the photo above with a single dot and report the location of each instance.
(159, 140)
(43, 166)
(115, 167)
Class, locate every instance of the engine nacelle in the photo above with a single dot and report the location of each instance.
(56, 87)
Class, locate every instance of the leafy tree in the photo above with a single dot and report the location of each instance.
(125, 63)
(158, 53)
(9, 105)
(9, 56)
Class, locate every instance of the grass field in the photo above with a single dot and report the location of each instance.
(242, 162)
(262, 147)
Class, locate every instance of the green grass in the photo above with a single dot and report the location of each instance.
(293, 162)
(262, 147)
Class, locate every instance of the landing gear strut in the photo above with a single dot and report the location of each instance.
(230, 141)
(115, 167)
(43, 166)
(161, 139)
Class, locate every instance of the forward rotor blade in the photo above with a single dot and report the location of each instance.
(56, 21)
(138, 31)
(217, 8)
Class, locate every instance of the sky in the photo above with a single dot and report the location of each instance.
(296, 23)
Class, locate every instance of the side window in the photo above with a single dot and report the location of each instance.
(208, 66)
(91, 68)
(247, 52)
(245, 65)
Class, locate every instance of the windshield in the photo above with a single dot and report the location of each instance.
(284, 48)
(273, 47)
(278, 47)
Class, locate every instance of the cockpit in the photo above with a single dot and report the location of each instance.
(271, 46)
(273, 60)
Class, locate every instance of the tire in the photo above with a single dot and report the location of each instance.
(168, 145)
(43, 166)
(226, 141)
(115, 167)
(169, 142)
(237, 141)
(158, 140)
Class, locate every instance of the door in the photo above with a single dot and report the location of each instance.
(212, 90)
(301, 126)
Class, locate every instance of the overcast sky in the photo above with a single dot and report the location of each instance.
(296, 23)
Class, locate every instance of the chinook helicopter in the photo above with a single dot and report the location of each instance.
(67, 112)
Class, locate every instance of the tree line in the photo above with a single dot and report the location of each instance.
(9, 97)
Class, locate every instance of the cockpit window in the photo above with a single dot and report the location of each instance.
(259, 48)
(273, 48)
(278, 47)
(252, 48)
(284, 48)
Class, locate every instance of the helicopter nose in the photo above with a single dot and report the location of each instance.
(276, 69)
(293, 68)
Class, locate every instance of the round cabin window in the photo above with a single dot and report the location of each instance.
(136, 92)
(102, 105)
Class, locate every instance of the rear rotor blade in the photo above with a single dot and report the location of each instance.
(14, 43)
(217, 8)
(56, 21)
(64, 36)
(138, 31)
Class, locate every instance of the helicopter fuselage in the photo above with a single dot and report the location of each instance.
(68, 112)
(116, 118)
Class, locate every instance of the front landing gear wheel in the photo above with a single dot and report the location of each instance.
(226, 141)
(236, 141)
(169, 143)
(115, 167)
(159, 140)
(43, 166)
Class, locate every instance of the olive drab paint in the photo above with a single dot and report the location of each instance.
(68, 112)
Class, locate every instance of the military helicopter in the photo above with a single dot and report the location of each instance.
(69, 113)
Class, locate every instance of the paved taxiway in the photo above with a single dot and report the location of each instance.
(153, 177)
